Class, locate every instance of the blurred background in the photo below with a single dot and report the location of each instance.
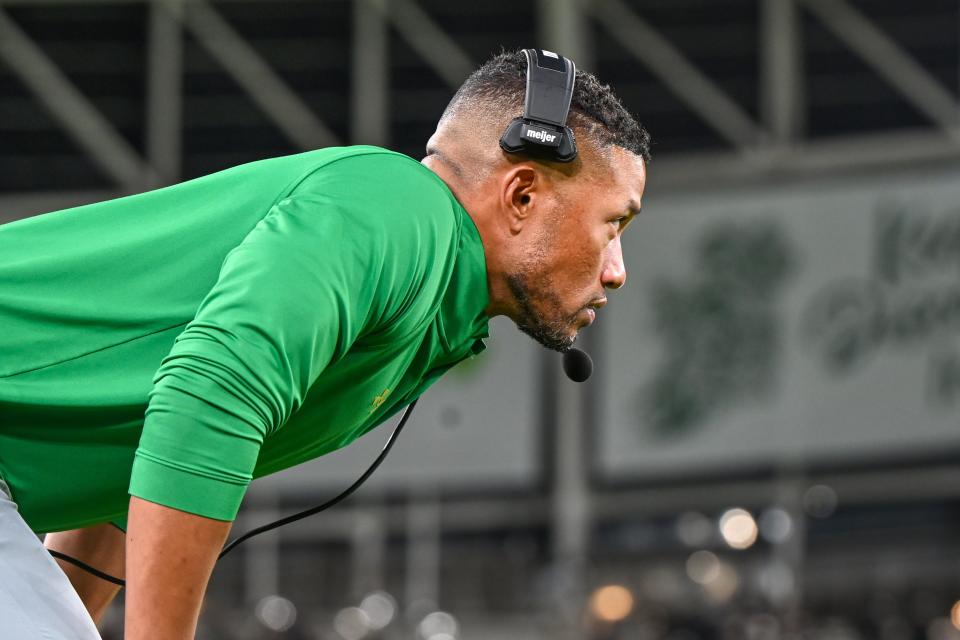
(768, 448)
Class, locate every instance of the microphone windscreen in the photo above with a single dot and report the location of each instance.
(577, 365)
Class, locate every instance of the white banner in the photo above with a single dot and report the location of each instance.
(809, 323)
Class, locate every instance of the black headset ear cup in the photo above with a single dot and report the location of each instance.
(512, 139)
(549, 92)
(568, 146)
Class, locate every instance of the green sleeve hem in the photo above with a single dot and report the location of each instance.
(171, 487)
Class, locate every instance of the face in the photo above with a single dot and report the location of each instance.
(572, 252)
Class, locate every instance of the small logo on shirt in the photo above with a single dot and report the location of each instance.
(379, 400)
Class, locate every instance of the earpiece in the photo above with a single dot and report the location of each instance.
(542, 131)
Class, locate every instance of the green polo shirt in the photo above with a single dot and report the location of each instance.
(176, 344)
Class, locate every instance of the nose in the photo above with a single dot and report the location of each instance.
(614, 273)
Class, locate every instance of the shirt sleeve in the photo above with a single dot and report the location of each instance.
(289, 300)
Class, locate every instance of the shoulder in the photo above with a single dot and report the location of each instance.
(382, 193)
(371, 171)
(400, 222)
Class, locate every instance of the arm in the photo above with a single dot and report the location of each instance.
(101, 546)
(170, 555)
(291, 298)
(270, 324)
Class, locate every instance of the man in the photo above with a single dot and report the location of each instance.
(160, 351)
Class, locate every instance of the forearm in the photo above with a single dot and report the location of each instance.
(170, 556)
(100, 546)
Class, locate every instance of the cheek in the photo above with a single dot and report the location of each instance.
(575, 261)
(593, 254)
(582, 267)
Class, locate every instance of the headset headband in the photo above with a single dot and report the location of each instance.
(543, 130)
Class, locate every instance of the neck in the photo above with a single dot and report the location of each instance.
(477, 208)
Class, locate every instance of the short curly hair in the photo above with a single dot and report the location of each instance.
(594, 111)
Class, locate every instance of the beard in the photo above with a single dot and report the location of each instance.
(549, 325)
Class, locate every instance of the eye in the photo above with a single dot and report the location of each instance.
(621, 222)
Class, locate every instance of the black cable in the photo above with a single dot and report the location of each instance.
(279, 523)
(87, 568)
(326, 505)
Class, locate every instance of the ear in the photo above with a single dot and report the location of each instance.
(520, 191)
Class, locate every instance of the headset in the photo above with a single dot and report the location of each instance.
(541, 132)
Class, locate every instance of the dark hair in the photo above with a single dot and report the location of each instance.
(594, 110)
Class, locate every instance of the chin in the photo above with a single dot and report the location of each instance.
(570, 338)
(553, 341)
(557, 334)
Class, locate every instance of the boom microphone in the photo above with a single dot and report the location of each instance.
(577, 365)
